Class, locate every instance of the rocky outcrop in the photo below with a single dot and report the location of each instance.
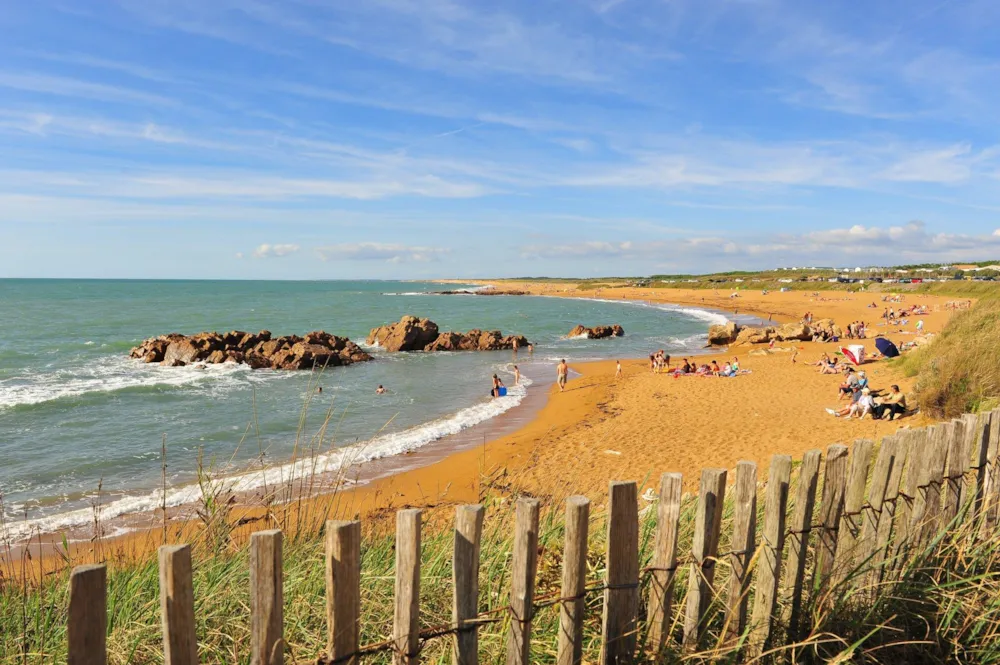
(597, 332)
(720, 335)
(407, 334)
(754, 335)
(259, 350)
(793, 331)
(413, 334)
(483, 292)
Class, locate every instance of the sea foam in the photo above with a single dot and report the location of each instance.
(378, 447)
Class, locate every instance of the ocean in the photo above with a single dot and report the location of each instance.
(76, 414)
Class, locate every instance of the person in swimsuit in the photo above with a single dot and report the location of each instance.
(380, 390)
(618, 370)
(517, 376)
(562, 371)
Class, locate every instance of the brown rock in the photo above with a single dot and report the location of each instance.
(408, 334)
(722, 334)
(793, 331)
(183, 350)
(755, 335)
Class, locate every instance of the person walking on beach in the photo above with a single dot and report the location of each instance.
(618, 370)
(562, 370)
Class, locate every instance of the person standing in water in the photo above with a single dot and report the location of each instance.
(562, 372)
(497, 385)
(380, 390)
(517, 376)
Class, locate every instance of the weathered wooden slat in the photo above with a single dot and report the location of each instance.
(892, 504)
(743, 542)
(267, 646)
(180, 644)
(830, 510)
(661, 583)
(980, 453)
(87, 626)
(798, 539)
(991, 482)
(465, 578)
(522, 582)
(574, 581)
(956, 466)
(911, 496)
(854, 500)
(705, 548)
(621, 598)
(406, 618)
(343, 590)
(873, 511)
(772, 545)
(927, 512)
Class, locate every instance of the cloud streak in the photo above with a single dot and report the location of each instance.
(377, 251)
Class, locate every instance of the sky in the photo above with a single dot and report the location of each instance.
(310, 139)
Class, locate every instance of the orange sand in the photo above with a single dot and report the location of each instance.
(635, 428)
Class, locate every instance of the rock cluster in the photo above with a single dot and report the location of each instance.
(597, 332)
(259, 350)
(413, 334)
(484, 292)
(731, 333)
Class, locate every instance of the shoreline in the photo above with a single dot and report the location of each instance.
(441, 473)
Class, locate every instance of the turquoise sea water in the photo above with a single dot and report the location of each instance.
(75, 411)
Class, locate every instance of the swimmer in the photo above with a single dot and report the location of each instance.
(380, 390)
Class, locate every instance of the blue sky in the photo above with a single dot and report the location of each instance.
(404, 138)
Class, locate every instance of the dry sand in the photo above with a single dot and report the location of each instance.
(601, 429)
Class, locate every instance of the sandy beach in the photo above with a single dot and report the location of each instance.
(633, 428)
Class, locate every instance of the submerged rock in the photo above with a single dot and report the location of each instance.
(259, 350)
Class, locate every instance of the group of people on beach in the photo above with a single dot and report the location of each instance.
(729, 368)
(862, 401)
(856, 330)
(659, 361)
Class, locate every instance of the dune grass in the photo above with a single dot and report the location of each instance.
(958, 372)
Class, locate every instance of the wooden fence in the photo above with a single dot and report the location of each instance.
(856, 533)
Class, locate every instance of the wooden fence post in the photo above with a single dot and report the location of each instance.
(872, 512)
(830, 510)
(343, 590)
(772, 544)
(805, 502)
(980, 454)
(465, 578)
(180, 645)
(927, 512)
(891, 507)
(661, 585)
(991, 481)
(956, 467)
(574, 581)
(621, 597)
(406, 618)
(708, 520)
(919, 443)
(743, 542)
(522, 581)
(850, 521)
(87, 627)
(267, 645)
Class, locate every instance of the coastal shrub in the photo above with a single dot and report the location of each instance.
(958, 372)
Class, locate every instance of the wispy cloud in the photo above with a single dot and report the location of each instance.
(70, 87)
(377, 251)
(268, 251)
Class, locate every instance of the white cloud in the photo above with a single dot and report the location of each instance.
(268, 251)
(377, 251)
(888, 245)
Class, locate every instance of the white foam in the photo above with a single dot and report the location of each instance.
(102, 376)
(378, 447)
(693, 312)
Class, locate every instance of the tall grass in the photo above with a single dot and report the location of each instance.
(959, 371)
(941, 605)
